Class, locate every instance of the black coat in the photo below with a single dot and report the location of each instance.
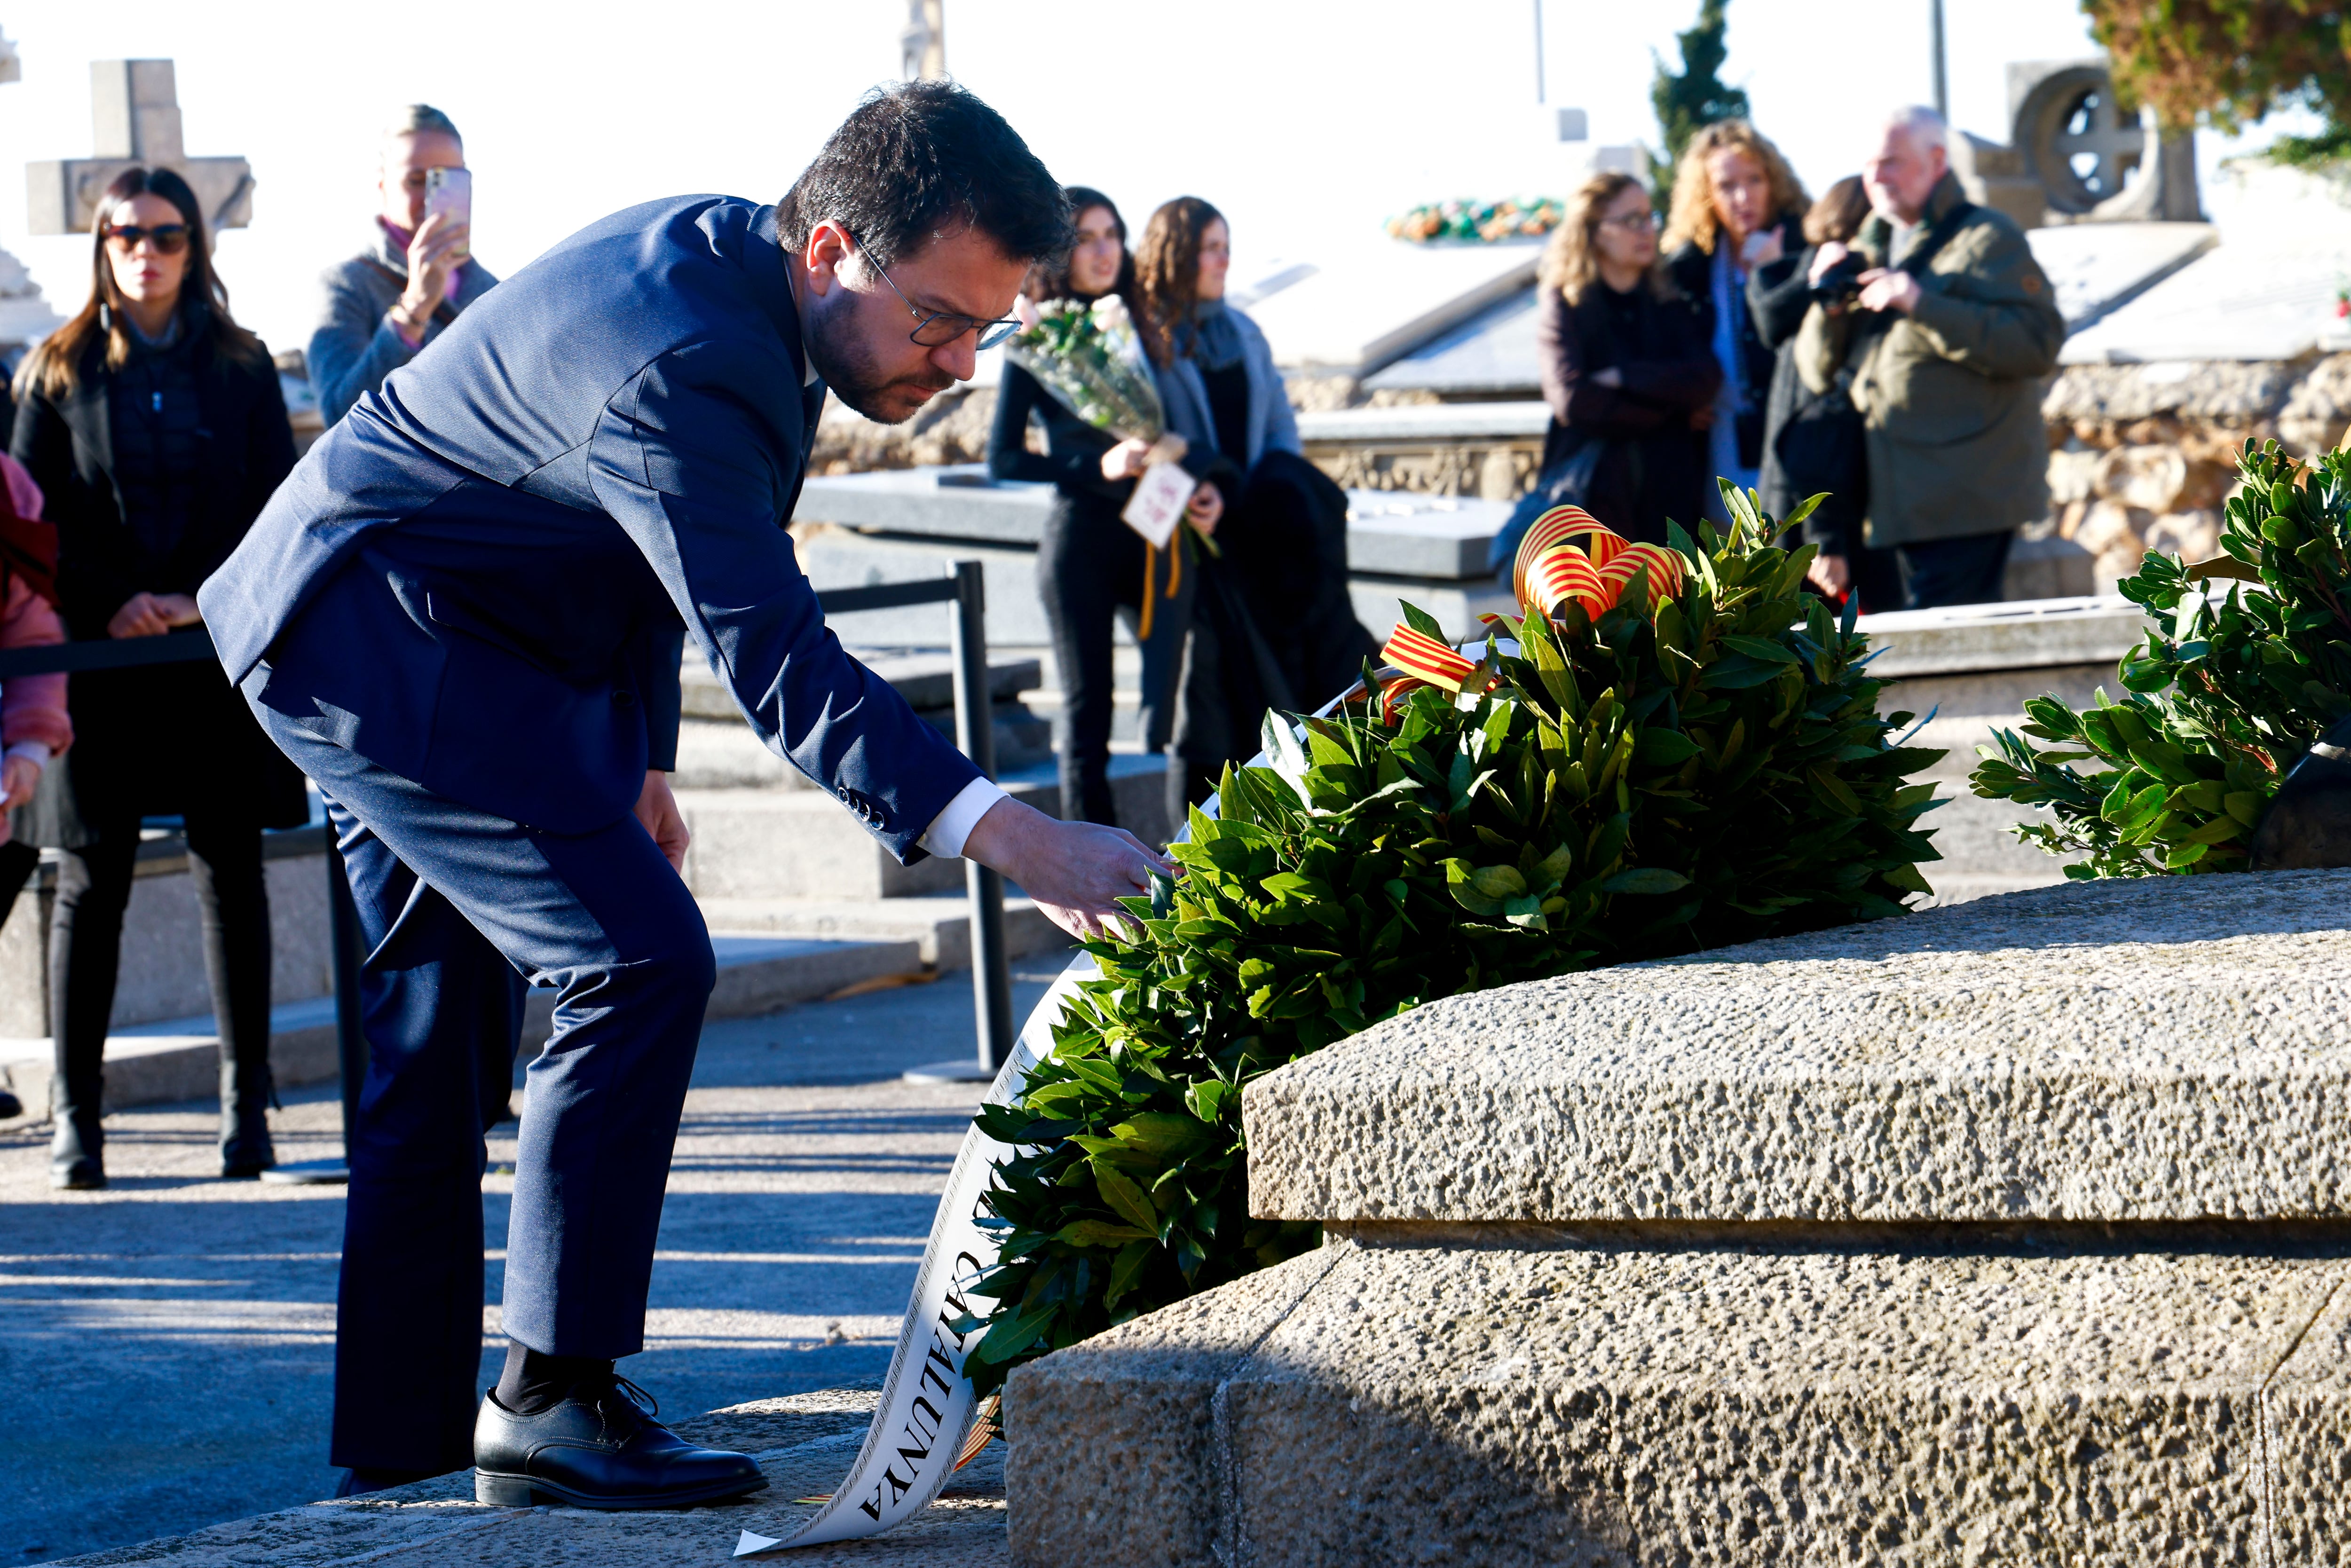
(161, 740)
(1655, 465)
(1778, 296)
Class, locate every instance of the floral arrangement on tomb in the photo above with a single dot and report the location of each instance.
(1488, 221)
(1089, 359)
(1670, 749)
(2220, 700)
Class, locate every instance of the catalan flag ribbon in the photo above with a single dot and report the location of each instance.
(1549, 569)
(1424, 657)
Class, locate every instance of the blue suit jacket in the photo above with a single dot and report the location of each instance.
(481, 578)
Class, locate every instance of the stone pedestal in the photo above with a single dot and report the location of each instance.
(2013, 1233)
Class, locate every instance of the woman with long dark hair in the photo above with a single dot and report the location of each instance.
(1090, 564)
(155, 426)
(1273, 625)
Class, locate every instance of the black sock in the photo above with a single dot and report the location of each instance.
(534, 1382)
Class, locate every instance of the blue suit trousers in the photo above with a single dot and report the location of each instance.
(457, 909)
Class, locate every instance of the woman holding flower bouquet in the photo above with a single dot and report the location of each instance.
(1271, 625)
(1090, 564)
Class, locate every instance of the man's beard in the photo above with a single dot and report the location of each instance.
(843, 358)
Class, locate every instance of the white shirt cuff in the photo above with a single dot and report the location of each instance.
(41, 754)
(950, 828)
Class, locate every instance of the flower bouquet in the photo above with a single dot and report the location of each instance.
(1090, 362)
(1089, 359)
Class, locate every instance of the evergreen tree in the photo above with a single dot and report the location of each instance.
(1697, 95)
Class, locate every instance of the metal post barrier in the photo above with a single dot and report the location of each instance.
(350, 1040)
(991, 969)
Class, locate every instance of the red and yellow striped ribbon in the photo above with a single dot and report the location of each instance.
(1417, 654)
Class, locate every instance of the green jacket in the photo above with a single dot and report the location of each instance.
(1951, 393)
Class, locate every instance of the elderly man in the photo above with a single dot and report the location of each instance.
(1955, 325)
(381, 306)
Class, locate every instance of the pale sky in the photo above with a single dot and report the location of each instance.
(1308, 123)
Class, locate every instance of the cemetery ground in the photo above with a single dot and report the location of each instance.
(168, 1343)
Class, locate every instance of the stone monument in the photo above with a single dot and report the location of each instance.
(2018, 1232)
(135, 119)
(25, 316)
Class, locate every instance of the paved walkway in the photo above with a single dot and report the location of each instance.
(168, 1343)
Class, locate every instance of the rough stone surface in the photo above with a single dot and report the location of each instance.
(2168, 1048)
(1140, 1405)
(803, 1442)
(1590, 1400)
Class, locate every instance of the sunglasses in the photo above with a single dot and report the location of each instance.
(937, 328)
(169, 239)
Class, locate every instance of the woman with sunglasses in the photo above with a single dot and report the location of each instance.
(155, 426)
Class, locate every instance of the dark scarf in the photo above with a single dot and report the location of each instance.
(1209, 338)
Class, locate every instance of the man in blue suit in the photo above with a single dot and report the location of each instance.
(463, 616)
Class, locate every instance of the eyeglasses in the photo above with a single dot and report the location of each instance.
(170, 239)
(1644, 219)
(937, 328)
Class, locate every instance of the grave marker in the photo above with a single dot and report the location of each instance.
(134, 121)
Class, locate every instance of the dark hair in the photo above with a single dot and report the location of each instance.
(1838, 214)
(1167, 271)
(919, 156)
(1051, 279)
(55, 366)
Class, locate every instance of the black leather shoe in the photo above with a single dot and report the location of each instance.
(599, 1448)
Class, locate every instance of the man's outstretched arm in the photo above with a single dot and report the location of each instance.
(1077, 872)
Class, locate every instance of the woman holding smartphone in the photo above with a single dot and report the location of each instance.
(1090, 564)
(154, 426)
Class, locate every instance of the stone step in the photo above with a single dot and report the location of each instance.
(179, 1058)
(800, 843)
(1559, 1397)
(939, 924)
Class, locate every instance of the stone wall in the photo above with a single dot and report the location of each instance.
(2144, 457)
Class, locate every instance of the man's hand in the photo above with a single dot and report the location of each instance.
(1830, 573)
(152, 615)
(1077, 872)
(1203, 510)
(437, 251)
(657, 809)
(1889, 290)
(1830, 252)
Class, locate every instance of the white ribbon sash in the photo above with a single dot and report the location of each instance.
(927, 1407)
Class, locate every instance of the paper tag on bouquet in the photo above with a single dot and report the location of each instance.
(1160, 498)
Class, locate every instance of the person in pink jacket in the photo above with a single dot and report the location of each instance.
(34, 727)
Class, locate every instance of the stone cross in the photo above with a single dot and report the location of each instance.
(2107, 140)
(135, 117)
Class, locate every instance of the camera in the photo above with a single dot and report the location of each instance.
(1840, 286)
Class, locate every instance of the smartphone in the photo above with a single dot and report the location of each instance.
(451, 191)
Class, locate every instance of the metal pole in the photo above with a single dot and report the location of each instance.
(1542, 94)
(991, 970)
(350, 1040)
(1942, 88)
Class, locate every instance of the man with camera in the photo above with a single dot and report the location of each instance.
(379, 308)
(1944, 324)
